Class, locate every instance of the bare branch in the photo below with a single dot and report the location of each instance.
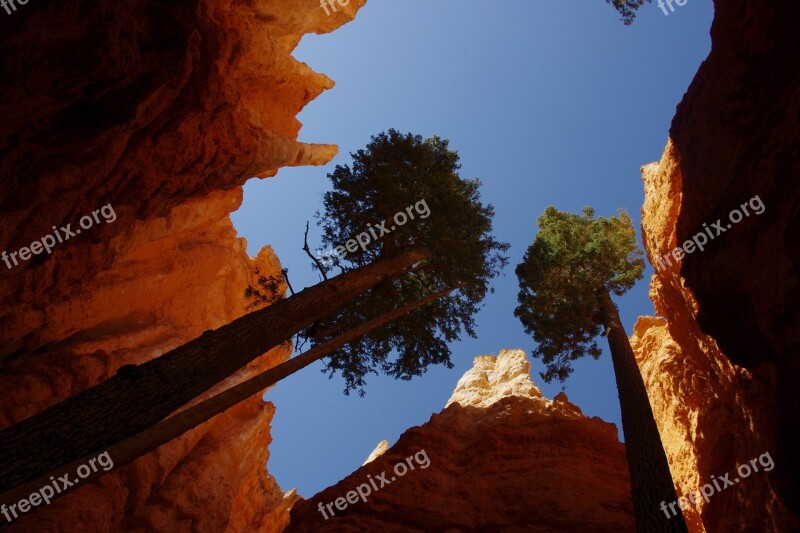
(285, 272)
(307, 250)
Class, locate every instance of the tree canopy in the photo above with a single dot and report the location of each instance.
(573, 257)
(404, 192)
(627, 8)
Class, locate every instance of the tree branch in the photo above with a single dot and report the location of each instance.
(122, 406)
(285, 272)
(126, 451)
(307, 250)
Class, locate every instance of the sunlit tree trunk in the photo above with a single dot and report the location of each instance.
(140, 396)
(150, 439)
(651, 480)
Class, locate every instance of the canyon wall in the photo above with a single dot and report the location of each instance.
(162, 111)
(713, 415)
(501, 458)
(720, 361)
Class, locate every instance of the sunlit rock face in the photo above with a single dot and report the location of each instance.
(722, 364)
(378, 451)
(501, 458)
(713, 415)
(161, 110)
(493, 378)
(707, 408)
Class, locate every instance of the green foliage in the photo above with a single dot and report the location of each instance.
(268, 290)
(627, 8)
(572, 259)
(396, 171)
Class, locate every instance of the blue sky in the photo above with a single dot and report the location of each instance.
(546, 102)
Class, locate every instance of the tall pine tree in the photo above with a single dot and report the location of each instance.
(566, 280)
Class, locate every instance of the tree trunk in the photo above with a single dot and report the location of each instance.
(126, 451)
(131, 401)
(651, 480)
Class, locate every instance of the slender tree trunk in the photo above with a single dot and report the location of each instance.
(651, 480)
(126, 451)
(141, 396)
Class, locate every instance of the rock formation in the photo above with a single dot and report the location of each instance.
(502, 458)
(720, 361)
(706, 407)
(162, 111)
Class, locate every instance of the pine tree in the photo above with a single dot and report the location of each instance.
(566, 280)
(405, 175)
(434, 269)
(627, 8)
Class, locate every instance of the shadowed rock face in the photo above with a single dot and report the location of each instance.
(162, 110)
(502, 458)
(722, 366)
(142, 107)
(737, 134)
(712, 414)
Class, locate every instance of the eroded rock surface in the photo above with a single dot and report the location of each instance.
(713, 415)
(721, 360)
(161, 110)
(502, 458)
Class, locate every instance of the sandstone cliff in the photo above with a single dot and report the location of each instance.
(501, 458)
(721, 360)
(162, 111)
(712, 414)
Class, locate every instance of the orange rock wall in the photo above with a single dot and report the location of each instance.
(720, 361)
(706, 407)
(163, 111)
(502, 458)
